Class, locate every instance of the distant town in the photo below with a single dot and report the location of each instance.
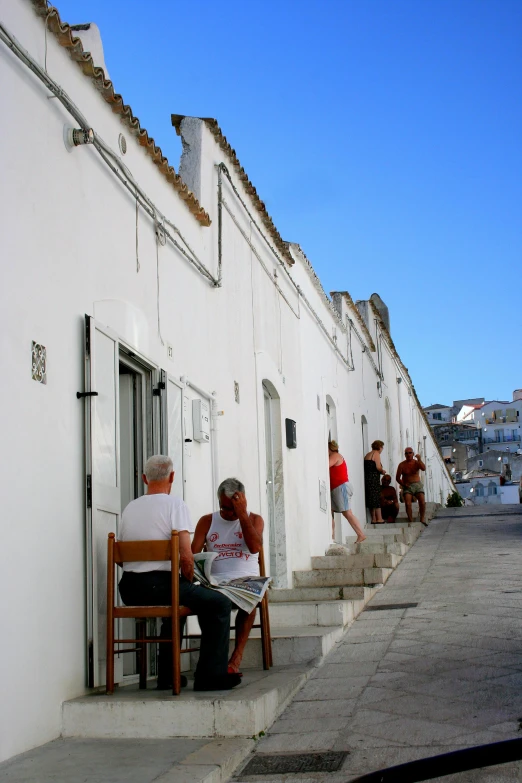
(481, 443)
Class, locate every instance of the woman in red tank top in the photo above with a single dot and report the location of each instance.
(339, 495)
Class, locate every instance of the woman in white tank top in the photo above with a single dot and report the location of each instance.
(237, 537)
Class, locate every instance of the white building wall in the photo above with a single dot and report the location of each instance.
(68, 244)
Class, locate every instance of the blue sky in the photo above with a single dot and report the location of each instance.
(383, 135)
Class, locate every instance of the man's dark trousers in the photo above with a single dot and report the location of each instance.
(153, 588)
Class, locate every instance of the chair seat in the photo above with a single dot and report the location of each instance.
(149, 611)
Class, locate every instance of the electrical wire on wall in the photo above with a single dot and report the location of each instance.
(222, 169)
(137, 240)
(364, 348)
(161, 240)
(110, 158)
(349, 340)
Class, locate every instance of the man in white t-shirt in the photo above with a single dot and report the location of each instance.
(152, 517)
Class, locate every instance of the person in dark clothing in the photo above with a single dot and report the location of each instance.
(389, 500)
(372, 472)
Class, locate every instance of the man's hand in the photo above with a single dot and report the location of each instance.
(240, 505)
(186, 563)
(418, 457)
(186, 558)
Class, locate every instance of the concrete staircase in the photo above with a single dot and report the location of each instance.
(306, 622)
(308, 619)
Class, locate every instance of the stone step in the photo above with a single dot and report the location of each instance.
(284, 595)
(431, 511)
(380, 538)
(397, 549)
(321, 613)
(387, 560)
(353, 562)
(334, 577)
(291, 645)
(407, 536)
(395, 527)
(338, 577)
(379, 547)
(130, 713)
(350, 562)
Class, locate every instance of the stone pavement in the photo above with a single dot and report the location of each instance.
(171, 760)
(409, 683)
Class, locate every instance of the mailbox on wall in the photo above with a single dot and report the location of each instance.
(291, 433)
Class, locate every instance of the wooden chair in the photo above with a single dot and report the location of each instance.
(264, 621)
(119, 552)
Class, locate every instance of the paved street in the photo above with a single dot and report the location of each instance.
(408, 683)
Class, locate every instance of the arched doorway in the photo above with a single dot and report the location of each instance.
(274, 486)
(364, 433)
(331, 418)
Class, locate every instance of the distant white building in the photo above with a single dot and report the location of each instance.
(437, 414)
(501, 425)
(484, 487)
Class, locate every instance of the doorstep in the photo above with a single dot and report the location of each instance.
(130, 713)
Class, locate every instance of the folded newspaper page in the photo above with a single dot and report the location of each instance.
(245, 591)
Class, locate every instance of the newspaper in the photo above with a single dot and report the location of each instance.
(245, 592)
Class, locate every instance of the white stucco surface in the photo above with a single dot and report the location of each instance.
(71, 245)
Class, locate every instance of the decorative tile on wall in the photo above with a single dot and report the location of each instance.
(39, 363)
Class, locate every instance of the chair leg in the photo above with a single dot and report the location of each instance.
(266, 641)
(176, 657)
(109, 665)
(141, 632)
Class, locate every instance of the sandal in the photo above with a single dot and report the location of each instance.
(230, 670)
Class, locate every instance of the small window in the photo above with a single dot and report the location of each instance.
(481, 463)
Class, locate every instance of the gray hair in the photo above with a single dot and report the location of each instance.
(158, 468)
(229, 486)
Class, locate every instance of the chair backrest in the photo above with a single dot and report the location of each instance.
(128, 551)
(140, 551)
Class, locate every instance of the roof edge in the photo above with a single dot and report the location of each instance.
(221, 139)
(64, 35)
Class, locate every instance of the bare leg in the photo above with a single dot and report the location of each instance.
(422, 507)
(354, 522)
(407, 502)
(244, 623)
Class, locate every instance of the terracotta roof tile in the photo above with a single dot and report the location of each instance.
(65, 37)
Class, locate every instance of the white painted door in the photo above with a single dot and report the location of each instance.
(103, 482)
(270, 480)
(172, 431)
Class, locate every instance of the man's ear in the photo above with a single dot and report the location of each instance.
(144, 477)
(171, 477)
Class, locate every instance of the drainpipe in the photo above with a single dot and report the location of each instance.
(401, 438)
(426, 463)
(214, 413)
